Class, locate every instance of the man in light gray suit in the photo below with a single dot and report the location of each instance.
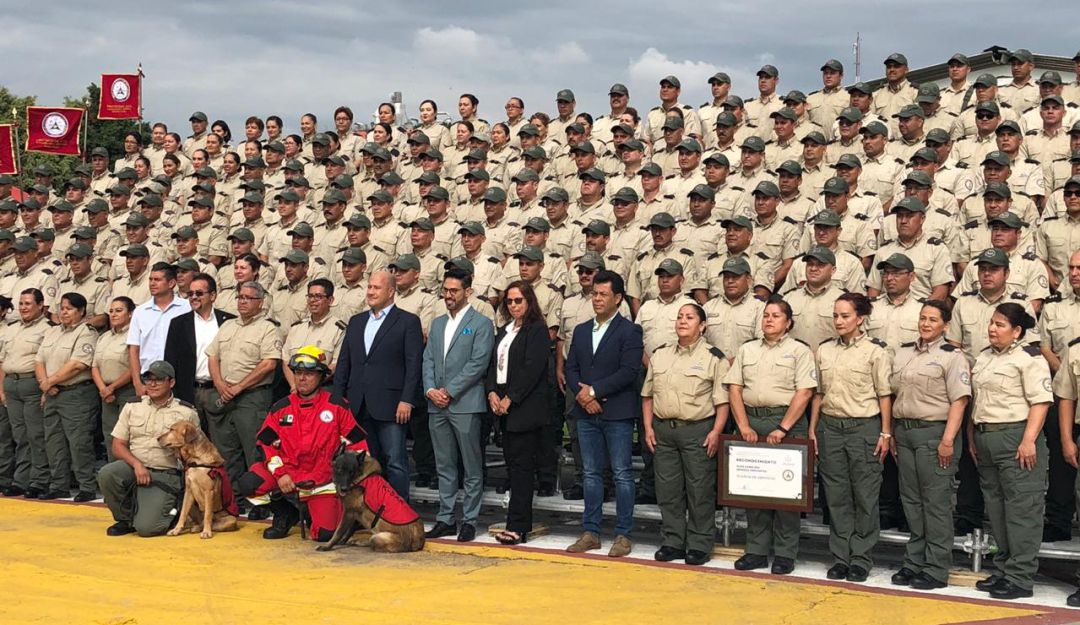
(455, 362)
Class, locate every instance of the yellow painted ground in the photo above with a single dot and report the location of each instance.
(57, 566)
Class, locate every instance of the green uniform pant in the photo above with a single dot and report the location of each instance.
(685, 484)
(234, 426)
(110, 414)
(926, 494)
(7, 452)
(70, 417)
(1015, 500)
(851, 474)
(147, 508)
(24, 411)
(773, 530)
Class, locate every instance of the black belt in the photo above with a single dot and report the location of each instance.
(911, 424)
(678, 423)
(997, 427)
(766, 411)
(20, 376)
(204, 384)
(74, 386)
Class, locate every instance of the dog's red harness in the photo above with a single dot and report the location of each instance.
(384, 500)
(228, 499)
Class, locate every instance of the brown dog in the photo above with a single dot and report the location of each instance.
(203, 478)
(389, 524)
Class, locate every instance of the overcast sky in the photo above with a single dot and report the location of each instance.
(233, 59)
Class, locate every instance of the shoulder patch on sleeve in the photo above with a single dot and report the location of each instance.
(911, 344)
(971, 292)
(274, 321)
(947, 347)
(686, 251)
(186, 404)
(341, 324)
(715, 351)
(878, 342)
(934, 241)
(1032, 350)
(642, 255)
(1018, 295)
(791, 221)
(1074, 341)
(279, 404)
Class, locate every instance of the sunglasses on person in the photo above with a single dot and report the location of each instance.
(192, 294)
(582, 271)
(985, 116)
(516, 301)
(1072, 193)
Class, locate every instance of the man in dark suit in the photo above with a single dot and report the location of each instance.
(185, 344)
(602, 371)
(379, 371)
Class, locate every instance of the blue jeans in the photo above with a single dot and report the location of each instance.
(386, 440)
(600, 441)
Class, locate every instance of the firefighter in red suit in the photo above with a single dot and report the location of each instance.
(298, 441)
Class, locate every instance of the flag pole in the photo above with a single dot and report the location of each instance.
(85, 151)
(142, 94)
(18, 151)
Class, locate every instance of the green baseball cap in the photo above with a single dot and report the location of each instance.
(937, 135)
(836, 186)
(627, 195)
(205, 202)
(529, 252)
(820, 252)
(985, 80)
(476, 155)
(530, 130)
(334, 196)
(673, 122)
(998, 157)
(717, 158)
(597, 226)
(910, 204)
(135, 250)
(494, 195)
(651, 169)
(689, 145)
(754, 144)
(187, 264)
(471, 227)
(790, 167)
(1008, 219)
(738, 221)
(63, 206)
(585, 147)
(897, 261)
(815, 137)
(321, 138)
(918, 177)
(254, 197)
(1008, 125)
(295, 256)
(26, 244)
(84, 233)
(592, 173)
(669, 266)
(827, 218)
(303, 230)
(437, 193)
(591, 260)
(703, 191)
(736, 265)
(795, 96)
(150, 200)
(185, 233)
(477, 174)
(526, 174)
(288, 195)
(380, 196)
(993, 256)
(136, 220)
(423, 223)
(850, 114)
(928, 92)
(44, 234)
(535, 152)
(79, 250)
(241, 234)
(720, 78)
(875, 128)
(539, 224)
(161, 369)
(911, 110)
(999, 189)
(661, 220)
(555, 194)
(834, 65)
(767, 188)
(462, 263)
(358, 221)
(726, 119)
(255, 162)
(848, 160)
(1022, 55)
(861, 87)
(354, 256)
(787, 113)
(428, 177)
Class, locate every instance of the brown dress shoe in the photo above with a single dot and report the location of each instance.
(621, 547)
(587, 542)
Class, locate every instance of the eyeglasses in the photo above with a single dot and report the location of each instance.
(247, 298)
(197, 293)
(148, 379)
(516, 301)
(317, 296)
(513, 106)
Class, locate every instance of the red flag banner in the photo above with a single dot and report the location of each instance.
(7, 149)
(121, 97)
(53, 130)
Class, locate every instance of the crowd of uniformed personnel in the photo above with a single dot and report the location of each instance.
(967, 197)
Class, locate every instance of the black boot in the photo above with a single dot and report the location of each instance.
(285, 517)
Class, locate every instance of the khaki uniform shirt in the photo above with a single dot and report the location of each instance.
(240, 346)
(730, 324)
(761, 272)
(759, 111)
(326, 335)
(111, 354)
(1020, 97)
(489, 278)
(627, 240)
(194, 142)
(289, 303)
(932, 262)
(389, 235)
(23, 342)
(135, 287)
(971, 316)
(141, 423)
(349, 300)
(1059, 323)
(779, 241)
(798, 207)
(838, 148)
(657, 320)
(39, 276)
(849, 275)
(1027, 275)
(856, 234)
(1006, 383)
(654, 122)
(502, 238)
(770, 373)
(881, 174)
(644, 287)
(562, 236)
(60, 344)
(813, 314)
(852, 376)
(889, 100)
(927, 379)
(895, 323)
(1065, 385)
(554, 272)
(823, 106)
(704, 239)
(776, 152)
(686, 383)
(96, 290)
(419, 301)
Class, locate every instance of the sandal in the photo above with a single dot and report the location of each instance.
(511, 538)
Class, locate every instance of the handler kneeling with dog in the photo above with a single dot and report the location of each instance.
(141, 486)
(298, 440)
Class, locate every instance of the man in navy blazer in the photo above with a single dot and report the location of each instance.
(378, 371)
(602, 371)
(456, 360)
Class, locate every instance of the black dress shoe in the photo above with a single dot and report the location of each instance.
(696, 558)
(14, 491)
(120, 528)
(750, 561)
(545, 490)
(963, 527)
(258, 513)
(1055, 534)
(50, 495)
(923, 581)
(32, 493)
(422, 480)
(903, 577)
(645, 499)
(857, 574)
(1073, 600)
(85, 496)
(441, 529)
(467, 533)
(285, 517)
(668, 554)
(837, 571)
(1009, 590)
(989, 583)
(782, 565)
(574, 493)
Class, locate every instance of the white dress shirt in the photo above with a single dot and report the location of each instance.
(503, 351)
(205, 331)
(452, 325)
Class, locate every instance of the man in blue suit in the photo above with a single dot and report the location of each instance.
(455, 362)
(378, 371)
(602, 371)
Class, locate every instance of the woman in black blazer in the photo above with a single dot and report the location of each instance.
(518, 396)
